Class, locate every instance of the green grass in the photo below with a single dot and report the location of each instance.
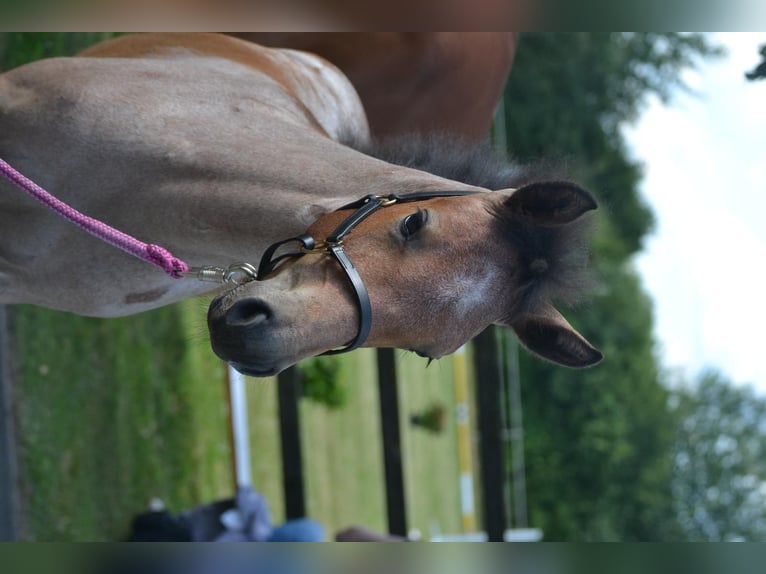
(114, 412)
(111, 414)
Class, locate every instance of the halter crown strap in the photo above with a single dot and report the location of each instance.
(370, 204)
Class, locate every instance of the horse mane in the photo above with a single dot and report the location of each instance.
(552, 264)
(453, 158)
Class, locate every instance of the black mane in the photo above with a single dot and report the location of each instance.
(553, 260)
(453, 158)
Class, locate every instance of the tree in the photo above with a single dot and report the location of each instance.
(719, 455)
(569, 94)
(759, 72)
(598, 442)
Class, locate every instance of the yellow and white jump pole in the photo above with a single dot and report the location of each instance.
(465, 461)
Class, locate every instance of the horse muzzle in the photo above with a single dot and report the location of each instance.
(242, 333)
(263, 328)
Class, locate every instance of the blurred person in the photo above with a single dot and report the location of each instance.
(245, 518)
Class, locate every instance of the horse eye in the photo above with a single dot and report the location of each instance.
(413, 223)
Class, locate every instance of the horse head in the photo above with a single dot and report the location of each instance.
(436, 271)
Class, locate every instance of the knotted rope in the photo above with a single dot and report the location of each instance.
(154, 254)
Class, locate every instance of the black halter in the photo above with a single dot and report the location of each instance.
(333, 245)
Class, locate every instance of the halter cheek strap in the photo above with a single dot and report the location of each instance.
(362, 300)
(333, 246)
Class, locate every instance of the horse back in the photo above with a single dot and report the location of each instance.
(329, 101)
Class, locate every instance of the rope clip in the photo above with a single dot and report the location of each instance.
(234, 274)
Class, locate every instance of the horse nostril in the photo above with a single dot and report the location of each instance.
(248, 313)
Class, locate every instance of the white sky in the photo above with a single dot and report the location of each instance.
(705, 177)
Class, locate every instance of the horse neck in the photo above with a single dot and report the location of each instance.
(245, 214)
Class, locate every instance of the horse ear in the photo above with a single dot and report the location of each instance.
(550, 336)
(551, 203)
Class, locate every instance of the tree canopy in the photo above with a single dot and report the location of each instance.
(759, 72)
(598, 441)
(719, 457)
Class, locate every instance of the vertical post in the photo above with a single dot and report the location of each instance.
(516, 434)
(240, 431)
(392, 450)
(465, 463)
(288, 392)
(488, 365)
(9, 495)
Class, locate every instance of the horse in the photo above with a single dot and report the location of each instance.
(415, 81)
(220, 149)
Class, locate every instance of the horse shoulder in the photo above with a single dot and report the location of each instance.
(17, 92)
(327, 97)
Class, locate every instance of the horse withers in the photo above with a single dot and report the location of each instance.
(217, 148)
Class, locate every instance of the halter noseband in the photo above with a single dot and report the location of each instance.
(333, 245)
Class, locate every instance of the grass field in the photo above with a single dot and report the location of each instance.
(114, 412)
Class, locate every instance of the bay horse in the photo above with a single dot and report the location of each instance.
(218, 149)
(415, 81)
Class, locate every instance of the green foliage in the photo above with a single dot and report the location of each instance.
(598, 441)
(320, 380)
(432, 418)
(720, 461)
(21, 48)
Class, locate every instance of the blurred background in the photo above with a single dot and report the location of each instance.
(664, 440)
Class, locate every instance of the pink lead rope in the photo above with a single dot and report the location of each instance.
(151, 253)
(234, 274)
